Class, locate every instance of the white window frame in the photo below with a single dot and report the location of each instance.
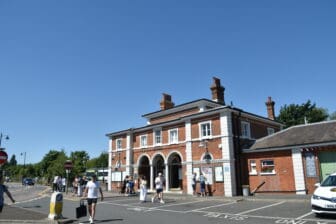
(156, 137)
(143, 141)
(245, 129)
(270, 131)
(119, 144)
(173, 140)
(253, 167)
(208, 126)
(264, 164)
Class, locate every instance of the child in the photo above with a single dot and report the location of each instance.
(3, 189)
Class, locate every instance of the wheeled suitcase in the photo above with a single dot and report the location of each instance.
(81, 211)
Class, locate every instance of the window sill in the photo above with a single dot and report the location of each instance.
(253, 174)
(267, 174)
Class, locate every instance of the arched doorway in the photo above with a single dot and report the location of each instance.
(144, 168)
(175, 172)
(158, 166)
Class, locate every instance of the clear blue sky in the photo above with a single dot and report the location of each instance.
(72, 71)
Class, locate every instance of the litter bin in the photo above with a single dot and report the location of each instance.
(246, 190)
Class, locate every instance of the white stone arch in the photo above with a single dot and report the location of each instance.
(157, 154)
(144, 169)
(141, 156)
(174, 175)
(175, 152)
(206, 153)
(156, 166)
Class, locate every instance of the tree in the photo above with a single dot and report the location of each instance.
(295, 114)
(332, 116)
(52, 164)
(102, 160)
(79, 160)
(12, 161)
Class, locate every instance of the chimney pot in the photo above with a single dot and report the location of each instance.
(166, 102)
(270, 108)
(217, 91)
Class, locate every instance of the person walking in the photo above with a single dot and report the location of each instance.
(193, 183)
(4, 189)
(143, 189)
(159, 182)
(91, 192)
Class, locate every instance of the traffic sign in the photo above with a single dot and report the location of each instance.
(68, 165)
(3, 157)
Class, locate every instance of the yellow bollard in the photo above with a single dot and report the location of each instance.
(56, 206)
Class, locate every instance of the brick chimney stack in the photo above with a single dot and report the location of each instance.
(270, 108)
(217, 91)
(166, 102)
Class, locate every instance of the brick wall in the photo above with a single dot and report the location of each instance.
(281, 181)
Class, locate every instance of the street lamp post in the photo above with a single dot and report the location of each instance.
(3, 136)
(24, 159)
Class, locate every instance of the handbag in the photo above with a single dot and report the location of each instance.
(81, 211)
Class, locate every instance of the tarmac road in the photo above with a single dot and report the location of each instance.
(115, 209)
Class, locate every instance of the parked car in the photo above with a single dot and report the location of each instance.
(323, 200)
(28, 181)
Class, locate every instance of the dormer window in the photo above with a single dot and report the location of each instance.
(245, 129)
(270, 131)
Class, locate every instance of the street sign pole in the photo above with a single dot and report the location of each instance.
(68, 166)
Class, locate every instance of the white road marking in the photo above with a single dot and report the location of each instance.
(256, 209)
(302, 216)
(281, 219)
(213, 206)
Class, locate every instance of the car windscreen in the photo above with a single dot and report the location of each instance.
(329, 181)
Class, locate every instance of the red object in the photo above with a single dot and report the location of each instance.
(68, 165)
(3, 157)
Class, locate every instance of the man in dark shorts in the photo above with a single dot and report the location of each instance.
(91, 192)
(159, 182)
(3, 189)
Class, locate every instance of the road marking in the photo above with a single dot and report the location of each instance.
(302, 216)
(256, 209)
(213, 206)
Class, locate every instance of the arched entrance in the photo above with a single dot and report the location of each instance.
(144, 168)
(175, 172)
(158, 166)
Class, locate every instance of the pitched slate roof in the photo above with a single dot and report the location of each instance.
(300, 135)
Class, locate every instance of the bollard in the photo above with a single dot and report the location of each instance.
(56, 205)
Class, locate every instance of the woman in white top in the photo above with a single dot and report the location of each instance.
(143, 189)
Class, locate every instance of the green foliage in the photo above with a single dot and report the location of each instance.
(12, 161)
(295, 114)
(79, 160)
(52, 165)
(332, 116)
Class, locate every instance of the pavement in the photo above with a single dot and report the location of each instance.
(29, 216)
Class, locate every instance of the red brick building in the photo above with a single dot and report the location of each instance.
(292, 160)
(200, 136)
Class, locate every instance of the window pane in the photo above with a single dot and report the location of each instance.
(205, 130)
(157, 137)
